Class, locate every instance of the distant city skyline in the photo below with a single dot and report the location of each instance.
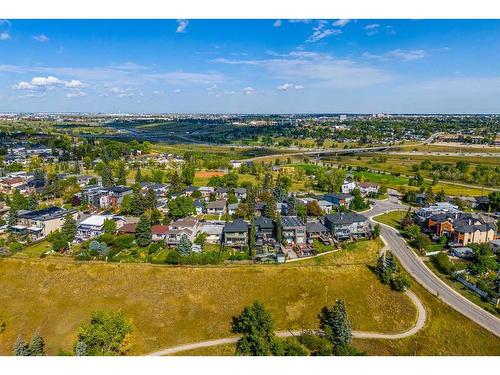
(250, 66)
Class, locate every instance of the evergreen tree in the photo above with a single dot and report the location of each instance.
(187, 174)
(32, 202)
(376, 231)
(137, 204)
(336, 325)
(68, 229)
(270, 207)
(184, 246)
(155, 216)
(291, 206)
(37, 345)
(251, 237)
(268, 181)
(122, 174)
(175, 182)
(21, 348)
(143, 231)
(391, 263)
(81, 349)
(279, 230)
(150, 200)
(11, 221)
(107, 176)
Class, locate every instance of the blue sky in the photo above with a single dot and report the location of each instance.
(250, 66)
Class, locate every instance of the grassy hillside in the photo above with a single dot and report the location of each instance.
(176, 305)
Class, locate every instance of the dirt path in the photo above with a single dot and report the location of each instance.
(421, 318)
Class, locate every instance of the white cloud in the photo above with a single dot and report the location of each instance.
(341, 23)
(397, 54)
(4, 36)
(178, 91)
(211, 88)
(48, 83)
(182, 25)
(41, 38)
(289, 86)
(248, 90)
(74, 84)
(299, 21)
(320, 32)
(319, 70)
(372, 29)
(76, 94)
(229, 92)
(277, 23)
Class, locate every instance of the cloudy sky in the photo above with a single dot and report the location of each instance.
(250, 66)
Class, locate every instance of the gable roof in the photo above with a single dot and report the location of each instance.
(159, 229)
(345, 218)
(238, 225)
(264, 222)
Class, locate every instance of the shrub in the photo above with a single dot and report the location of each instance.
(443, 263)
(318, 346)
(400, 283)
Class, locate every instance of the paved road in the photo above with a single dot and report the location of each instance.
(421, 318)
(420, 272)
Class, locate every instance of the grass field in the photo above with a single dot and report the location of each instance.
(35, 250)
(176, 305)
(392, 218)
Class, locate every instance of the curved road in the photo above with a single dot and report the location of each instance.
(420, 272)
(421, 318)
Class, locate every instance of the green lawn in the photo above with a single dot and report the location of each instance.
(36, 250)
(392, 218)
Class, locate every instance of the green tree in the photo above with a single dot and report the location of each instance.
(313, 209)
(138, 175)
(143, 233)
(32, 203)
(81, 349)
(376, 231)
(251, 237)
(107, 333)
(37, 345)
(187, 174)
(400, 283)
(11, 221)
(180, 207)
(107, 176)
(68, 229)
(184, 247)
(21, 348)
(256, 326)
(109, 226)
(336, 325)
(121, 178)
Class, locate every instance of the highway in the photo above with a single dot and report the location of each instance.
(424, 276)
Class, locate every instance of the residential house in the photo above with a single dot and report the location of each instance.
(368, 188)
(206, 191)
(240, 193)
(159, 232)
(38, 224)
(235, 234)
(326, 206)
(216, 207)
(462, 252)
(316, 230)
(339, 199)
(213, 231)
(128, 228)
(495, 246)
(231, 208)
(199, 206)
(188, 226)
(293, 231)
(222, 192)
(93, 226)
(423, 214)
(348, 185)
(346, 225)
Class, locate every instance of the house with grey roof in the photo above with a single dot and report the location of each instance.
(293, 231)
(347, 225)
(235, 234)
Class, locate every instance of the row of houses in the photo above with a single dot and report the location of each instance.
(461, 228)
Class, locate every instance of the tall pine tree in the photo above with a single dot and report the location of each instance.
(336, 325)
(143, 233)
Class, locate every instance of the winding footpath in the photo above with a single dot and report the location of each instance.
(421, 318)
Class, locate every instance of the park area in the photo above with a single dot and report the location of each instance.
(176, 305)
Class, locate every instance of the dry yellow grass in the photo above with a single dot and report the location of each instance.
(176, 305)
